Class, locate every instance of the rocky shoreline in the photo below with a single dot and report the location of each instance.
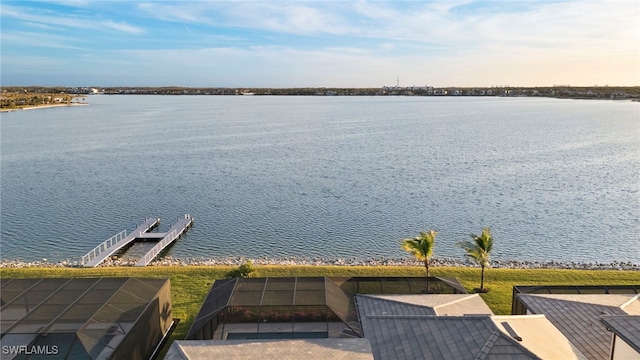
(235, 261)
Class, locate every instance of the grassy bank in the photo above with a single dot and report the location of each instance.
(190, 284)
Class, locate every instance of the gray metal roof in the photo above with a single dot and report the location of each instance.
(407, 327)
(433, 304)
(371, 305)
(625, 327)
(440, 337)
(578, 317)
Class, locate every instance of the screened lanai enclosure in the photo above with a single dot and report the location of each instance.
(298, 307)
(84, 318)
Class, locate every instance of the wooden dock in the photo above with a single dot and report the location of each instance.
(108, 247)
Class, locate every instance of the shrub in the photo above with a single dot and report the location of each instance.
(245, 270)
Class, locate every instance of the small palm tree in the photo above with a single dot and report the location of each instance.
(421, 247)
(478, 250)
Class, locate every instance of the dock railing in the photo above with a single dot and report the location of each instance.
(103, 246)
(157, 248)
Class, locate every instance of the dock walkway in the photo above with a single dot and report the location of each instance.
(176, 230)
(108, 247)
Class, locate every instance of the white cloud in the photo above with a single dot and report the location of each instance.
(362, 43)
(280, 66)
(192, 12)
(72, 3)
(122, 27)
(580, 24)
(37, 39)
(69, 21)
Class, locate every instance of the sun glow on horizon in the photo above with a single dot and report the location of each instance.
(317, 43)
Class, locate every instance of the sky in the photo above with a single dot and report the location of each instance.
(284, 44)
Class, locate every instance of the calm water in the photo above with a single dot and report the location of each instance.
(334, 177)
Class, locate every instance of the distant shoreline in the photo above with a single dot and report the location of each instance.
(296, 261)
(555, 91)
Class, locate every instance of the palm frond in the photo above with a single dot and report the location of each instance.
(479, 248)
(421, 246)
(413, 247)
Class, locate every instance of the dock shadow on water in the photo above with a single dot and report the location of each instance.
(134, 252)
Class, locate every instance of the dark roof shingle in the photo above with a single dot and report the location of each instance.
(578, 317)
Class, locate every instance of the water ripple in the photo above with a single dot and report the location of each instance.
(321, 177)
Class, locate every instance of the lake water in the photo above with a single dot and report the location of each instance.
(333, 177)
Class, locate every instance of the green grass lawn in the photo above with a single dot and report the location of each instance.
(190, 284)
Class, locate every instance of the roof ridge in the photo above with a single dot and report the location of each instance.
(488, 345)
(461, 299)
(480, 317)
(629, 302)
(498, 334)
(378, 298)
(384, 297)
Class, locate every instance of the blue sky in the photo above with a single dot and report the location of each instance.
(320, 43)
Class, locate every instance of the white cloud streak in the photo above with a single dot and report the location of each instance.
(40, 40)
(68, 21)
(578, 24)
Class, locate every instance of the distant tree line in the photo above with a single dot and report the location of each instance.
(21, 99)
(559, 91)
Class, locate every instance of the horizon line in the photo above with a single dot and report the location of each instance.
(319, 87)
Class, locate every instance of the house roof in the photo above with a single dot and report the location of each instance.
(537, 333)
(408, 327)
(578, 316)
(434, 304)
(625, 327)
(336, 294)
(309, 349)
(440, 337)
